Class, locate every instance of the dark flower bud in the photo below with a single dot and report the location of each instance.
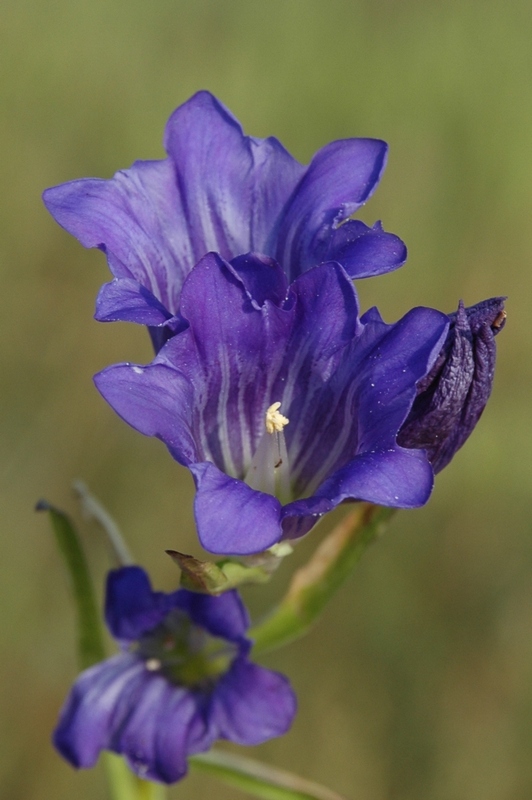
(451, 398)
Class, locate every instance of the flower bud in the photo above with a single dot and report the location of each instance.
(452, 396)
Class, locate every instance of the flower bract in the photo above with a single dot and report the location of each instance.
(337, 390)
(182, 680)
(219, 190)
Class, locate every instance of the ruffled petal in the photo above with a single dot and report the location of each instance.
(252, 704)
(340, 178)
(233, 188)
(224, 615)
(95, 707)
(137, 219)
(126, 300)
(132, 608)
(363, 251)
(232, 518)
(155, 400)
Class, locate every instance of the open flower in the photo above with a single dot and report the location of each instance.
(182, 680)
(221, 191)
(453, 395)
(280, 400)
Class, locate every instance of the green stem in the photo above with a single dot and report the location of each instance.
(313, 585)
(259, 779)
(125, 785)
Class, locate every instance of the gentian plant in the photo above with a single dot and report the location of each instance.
(282, 399)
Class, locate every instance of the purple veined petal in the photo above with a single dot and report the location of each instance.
(224, 615)
(131, 606)
(232, 518)
(126, 300)
(363, 251)
(397, 478)
(252, 704)
(230, 354)
(233, 187)
(149, 750)
(89, 714)
(363, 405)
(396, 357)
(137, 219)
(340, 178)
(155, 400)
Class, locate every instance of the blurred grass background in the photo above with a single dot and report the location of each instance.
(418, 683)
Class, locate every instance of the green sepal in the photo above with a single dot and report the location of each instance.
(217, 577)
(258, 779)
(90, 638)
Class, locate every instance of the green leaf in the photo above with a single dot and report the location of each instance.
(313, 585)
(258, 779)
(90, 639)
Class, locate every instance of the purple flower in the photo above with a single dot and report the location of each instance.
(453, 395)
(221, 191)
(182, 680)
(256, 354)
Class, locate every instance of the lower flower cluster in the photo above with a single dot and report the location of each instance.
(182, 680)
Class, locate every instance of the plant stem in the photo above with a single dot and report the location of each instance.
(313, 585)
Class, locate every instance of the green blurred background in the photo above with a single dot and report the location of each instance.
(417, 684)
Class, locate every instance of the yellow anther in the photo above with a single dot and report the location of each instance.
(275, 421)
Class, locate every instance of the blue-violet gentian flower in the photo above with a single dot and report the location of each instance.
(280, 400)
(219, 190)
(182, 680)
(451, 398)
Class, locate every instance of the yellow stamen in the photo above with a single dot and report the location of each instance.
(275, 421)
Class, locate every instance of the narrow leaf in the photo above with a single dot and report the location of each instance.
(258, 779)
(90, 641)
(313, 585)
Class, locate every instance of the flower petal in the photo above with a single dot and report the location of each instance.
(233, 188)
(363, 405)
(252, 704)
(154, 736)
(127, 300)
(132, 608)
(156, 400)
(91, 711)
(232, 518)
(229, 354)
(137, 219)
(396, 477)
(224, 615)
(339, 179)
(364, 251)
(182, 729)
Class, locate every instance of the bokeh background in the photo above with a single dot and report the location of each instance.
(417, 684)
